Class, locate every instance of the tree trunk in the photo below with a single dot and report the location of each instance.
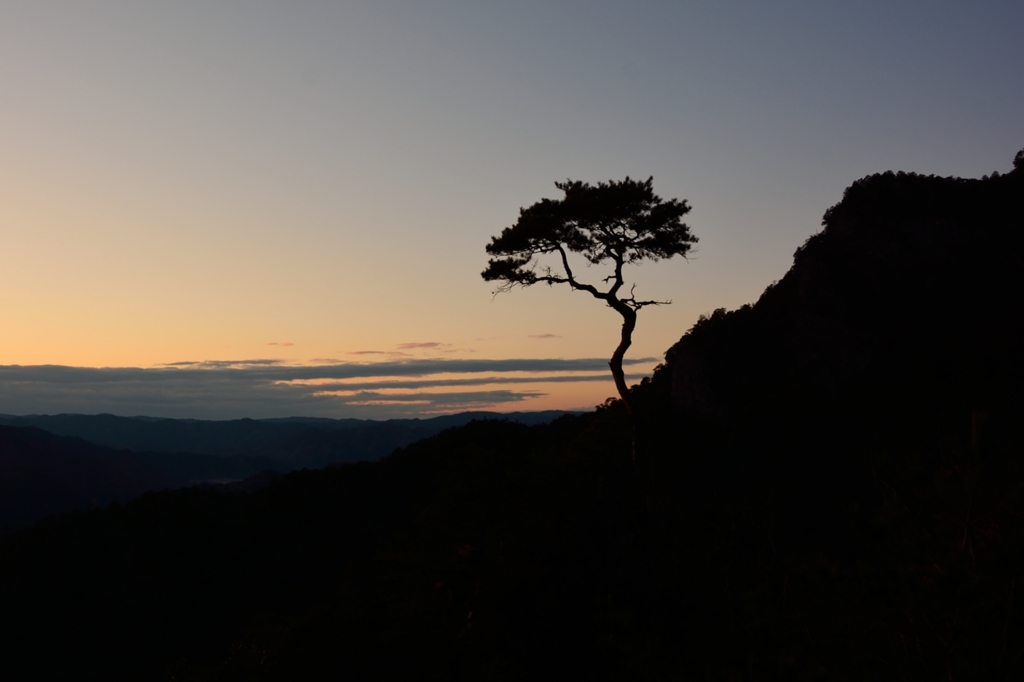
(628, 325)
(640, 463)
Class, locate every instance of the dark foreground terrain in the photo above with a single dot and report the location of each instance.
(829, 487)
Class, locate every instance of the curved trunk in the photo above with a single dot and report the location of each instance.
(628, 325)
(640, 466)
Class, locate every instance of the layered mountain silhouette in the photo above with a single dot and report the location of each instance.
(293, 442)
(54, 464)
(827, 484)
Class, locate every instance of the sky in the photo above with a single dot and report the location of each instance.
(254, 209)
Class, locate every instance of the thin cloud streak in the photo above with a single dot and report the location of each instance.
(440, 399)
(476, 381)
(202, 364)
(390, 353)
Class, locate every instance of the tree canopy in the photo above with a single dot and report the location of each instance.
(620, 222)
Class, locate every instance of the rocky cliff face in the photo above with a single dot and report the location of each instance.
(916, 283)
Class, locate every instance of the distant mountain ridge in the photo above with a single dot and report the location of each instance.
(295, 442)
(54, 464)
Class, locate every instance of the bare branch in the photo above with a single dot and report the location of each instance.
(637, 305)
(579, 285)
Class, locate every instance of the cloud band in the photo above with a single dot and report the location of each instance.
(269, 388)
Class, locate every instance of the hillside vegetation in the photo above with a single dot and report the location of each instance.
(831, 488)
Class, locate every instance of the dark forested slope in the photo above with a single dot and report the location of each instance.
(43, 474)
(850, 449)
(914, 288)
(370, 570)
(829, 487)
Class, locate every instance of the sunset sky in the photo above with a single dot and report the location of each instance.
(228, 209)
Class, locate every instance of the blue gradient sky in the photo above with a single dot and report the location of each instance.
(314, 182)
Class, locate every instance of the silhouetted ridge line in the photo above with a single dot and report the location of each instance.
(915, 280)
(291, 442)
